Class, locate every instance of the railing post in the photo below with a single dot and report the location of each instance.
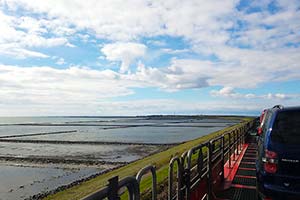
(233, 144)
(229, 149)
(244, 138)
(187, 180)
(209, 192)
(238, 142)
(184, 181)
(145, 170)
(133, 187)
(187, 175)
(242, 141)
(179, 178)
(113, 188)
(130, 193)
(223, 161)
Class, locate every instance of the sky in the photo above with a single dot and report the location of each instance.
(141, 57)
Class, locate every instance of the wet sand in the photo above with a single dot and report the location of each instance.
(34, 177)
(27, 180)
(40, 157)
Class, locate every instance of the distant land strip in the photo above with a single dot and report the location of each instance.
(88, 142)
(111, 126)
(36, 134)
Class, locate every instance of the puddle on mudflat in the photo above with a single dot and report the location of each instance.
(108, 153)
(20, 181)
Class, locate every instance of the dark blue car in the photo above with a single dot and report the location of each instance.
(278, 162)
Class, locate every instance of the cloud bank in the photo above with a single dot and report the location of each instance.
(232, 45)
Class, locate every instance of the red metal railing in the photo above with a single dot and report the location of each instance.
(197, 174)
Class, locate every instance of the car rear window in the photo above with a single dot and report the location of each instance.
(286, 128)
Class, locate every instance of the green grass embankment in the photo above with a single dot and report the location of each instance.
(160, 160)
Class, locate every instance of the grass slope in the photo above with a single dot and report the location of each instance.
(160, 160)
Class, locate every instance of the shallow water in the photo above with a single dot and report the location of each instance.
(120, 130)
(130, 134)
(18, 130)
(62, 120)
(22, 181)
(24, 170)
(109, 153)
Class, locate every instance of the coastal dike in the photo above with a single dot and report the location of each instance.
(161, 160)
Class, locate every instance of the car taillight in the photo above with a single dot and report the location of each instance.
(270, 161)
(270, 167)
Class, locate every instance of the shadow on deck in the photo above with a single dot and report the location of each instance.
(241, 183)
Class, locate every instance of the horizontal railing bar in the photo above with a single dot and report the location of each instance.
(189, 170)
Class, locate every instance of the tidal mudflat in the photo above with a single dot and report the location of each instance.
(21, 180)
(38, 155)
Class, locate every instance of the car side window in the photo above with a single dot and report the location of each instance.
(266, 124)
(286, 128)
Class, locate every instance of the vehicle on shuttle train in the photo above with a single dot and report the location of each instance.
(262, 120)
(278, 161)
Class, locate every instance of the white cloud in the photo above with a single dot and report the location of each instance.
(124, 52)
(19, 34)
(175, 51)
(228, 92)
(15, 51)
(118, 20)
(84, 37)
(237, 65)
(278, 96)
(60, 61)
(47, 85)
(181, 74)
(281, 96)
(247, 49)
(139, 107)
(169, 106)
(224, 92)
(46, 90)
(203, 24)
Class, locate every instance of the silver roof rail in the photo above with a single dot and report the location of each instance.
(278, 106)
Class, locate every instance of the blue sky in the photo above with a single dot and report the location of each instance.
(135, 57)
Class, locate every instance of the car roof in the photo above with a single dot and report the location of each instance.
(292, 108)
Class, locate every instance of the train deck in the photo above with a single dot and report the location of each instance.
(241, 185)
